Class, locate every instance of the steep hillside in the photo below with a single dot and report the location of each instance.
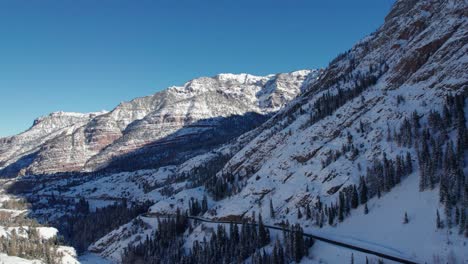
(64, 142)
(344, 120)
(373, 153)
(368, 119)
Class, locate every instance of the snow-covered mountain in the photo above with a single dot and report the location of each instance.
(411, 63)
(372, 151)
(63, 142)
(349, 126)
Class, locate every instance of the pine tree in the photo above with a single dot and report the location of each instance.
(272, 210)
(399, 170)
(425, 166)
(354, 198)
(341, 207)
(298, 242)
(308, 211)
(263, 232)
(466, 228)
(366, 209)
(462, 221)
(448, 214)
(322, 217)
(278, 255)
(438, 221)
(405, 219)
(363, 190)
(408, 164)
(299, 214)
(204, 204)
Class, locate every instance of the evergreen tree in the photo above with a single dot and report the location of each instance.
(438, 221)
(263, 232)
(354, 198)
(341, 207)
(308, 211)
(363, 190)
(448, 214)
(322, 217)
(462, 221)
(204, 204)
(272, 210)
(405, 219)
(366, 209)
(408, 164)
(298, 242)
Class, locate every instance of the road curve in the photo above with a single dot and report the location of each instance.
(317, 237)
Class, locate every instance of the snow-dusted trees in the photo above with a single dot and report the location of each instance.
(440, 161)
(84, 227)
(329, 102)
(31, 246)
(438, 221)
(231, 244)
(21, 236)
(405, 218)
(272, 210)
(296, 245)
(441, 145)
(384, 174)
(362, 190)
(163, 246)
(263, 232)
(381, 177)
(195, 208)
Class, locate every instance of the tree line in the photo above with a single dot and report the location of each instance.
(233, 245)
(81, 227)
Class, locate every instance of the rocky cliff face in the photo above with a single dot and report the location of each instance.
(73, 142)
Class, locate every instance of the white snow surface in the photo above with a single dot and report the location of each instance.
(383, 229)
(111, 246)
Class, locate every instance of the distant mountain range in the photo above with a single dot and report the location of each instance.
(63, 142)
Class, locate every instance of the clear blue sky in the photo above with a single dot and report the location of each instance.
(89, 55)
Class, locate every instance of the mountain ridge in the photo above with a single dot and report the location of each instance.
(82, 137)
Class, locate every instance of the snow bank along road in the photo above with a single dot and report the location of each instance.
(320, 238)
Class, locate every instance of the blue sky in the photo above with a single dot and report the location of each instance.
(90, 55)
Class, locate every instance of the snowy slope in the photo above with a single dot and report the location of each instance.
(384, 229)
(411, 63)
(113, 244)
(419, 54)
